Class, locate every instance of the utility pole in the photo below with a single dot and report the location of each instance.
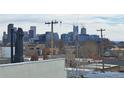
(52, 37)
(102, 47)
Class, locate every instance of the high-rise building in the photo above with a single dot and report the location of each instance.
(4, 38)
(10, 26)
(26, 36)
(33, 28)
(42, 38)
(83, 31)
(31, 34)
(48, 39)
(64, 38)
(14, 34)
(55, 36)
(75, 32)
(48, 36)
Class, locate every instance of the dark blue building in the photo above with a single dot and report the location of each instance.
(31, 34)
(55, 36)
(10, 26)
(42, 38)
(26, 36)
(64, 38)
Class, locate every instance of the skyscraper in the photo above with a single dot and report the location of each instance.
(75, 32)
(33, 28)
(42, 38)
(26, 36)
(14, 34)
(10, 26)
(64, 38)
(55, 36)
(31, 34)
(83, 31)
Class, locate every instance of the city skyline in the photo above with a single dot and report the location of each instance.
(112, 23)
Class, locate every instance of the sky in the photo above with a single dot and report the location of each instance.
(114, 24)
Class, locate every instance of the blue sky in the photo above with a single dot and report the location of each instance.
(114, 24)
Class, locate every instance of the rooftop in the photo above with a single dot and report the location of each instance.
(52, 68)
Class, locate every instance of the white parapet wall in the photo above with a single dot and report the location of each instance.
(6, 52)
(52, 68)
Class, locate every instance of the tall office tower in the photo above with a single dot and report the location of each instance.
(31, 34)
(19, 46)
(10, 26)
(65, 38)
(33, 28)
(14, 34)
(75, 32)
(26, 36)
(83, 31)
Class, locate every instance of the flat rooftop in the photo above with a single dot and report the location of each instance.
(52, 68)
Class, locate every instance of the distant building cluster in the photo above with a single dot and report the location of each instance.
(75, 36)
(30, 36)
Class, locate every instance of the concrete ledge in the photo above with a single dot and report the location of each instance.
(31, 62)
(53, 68)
